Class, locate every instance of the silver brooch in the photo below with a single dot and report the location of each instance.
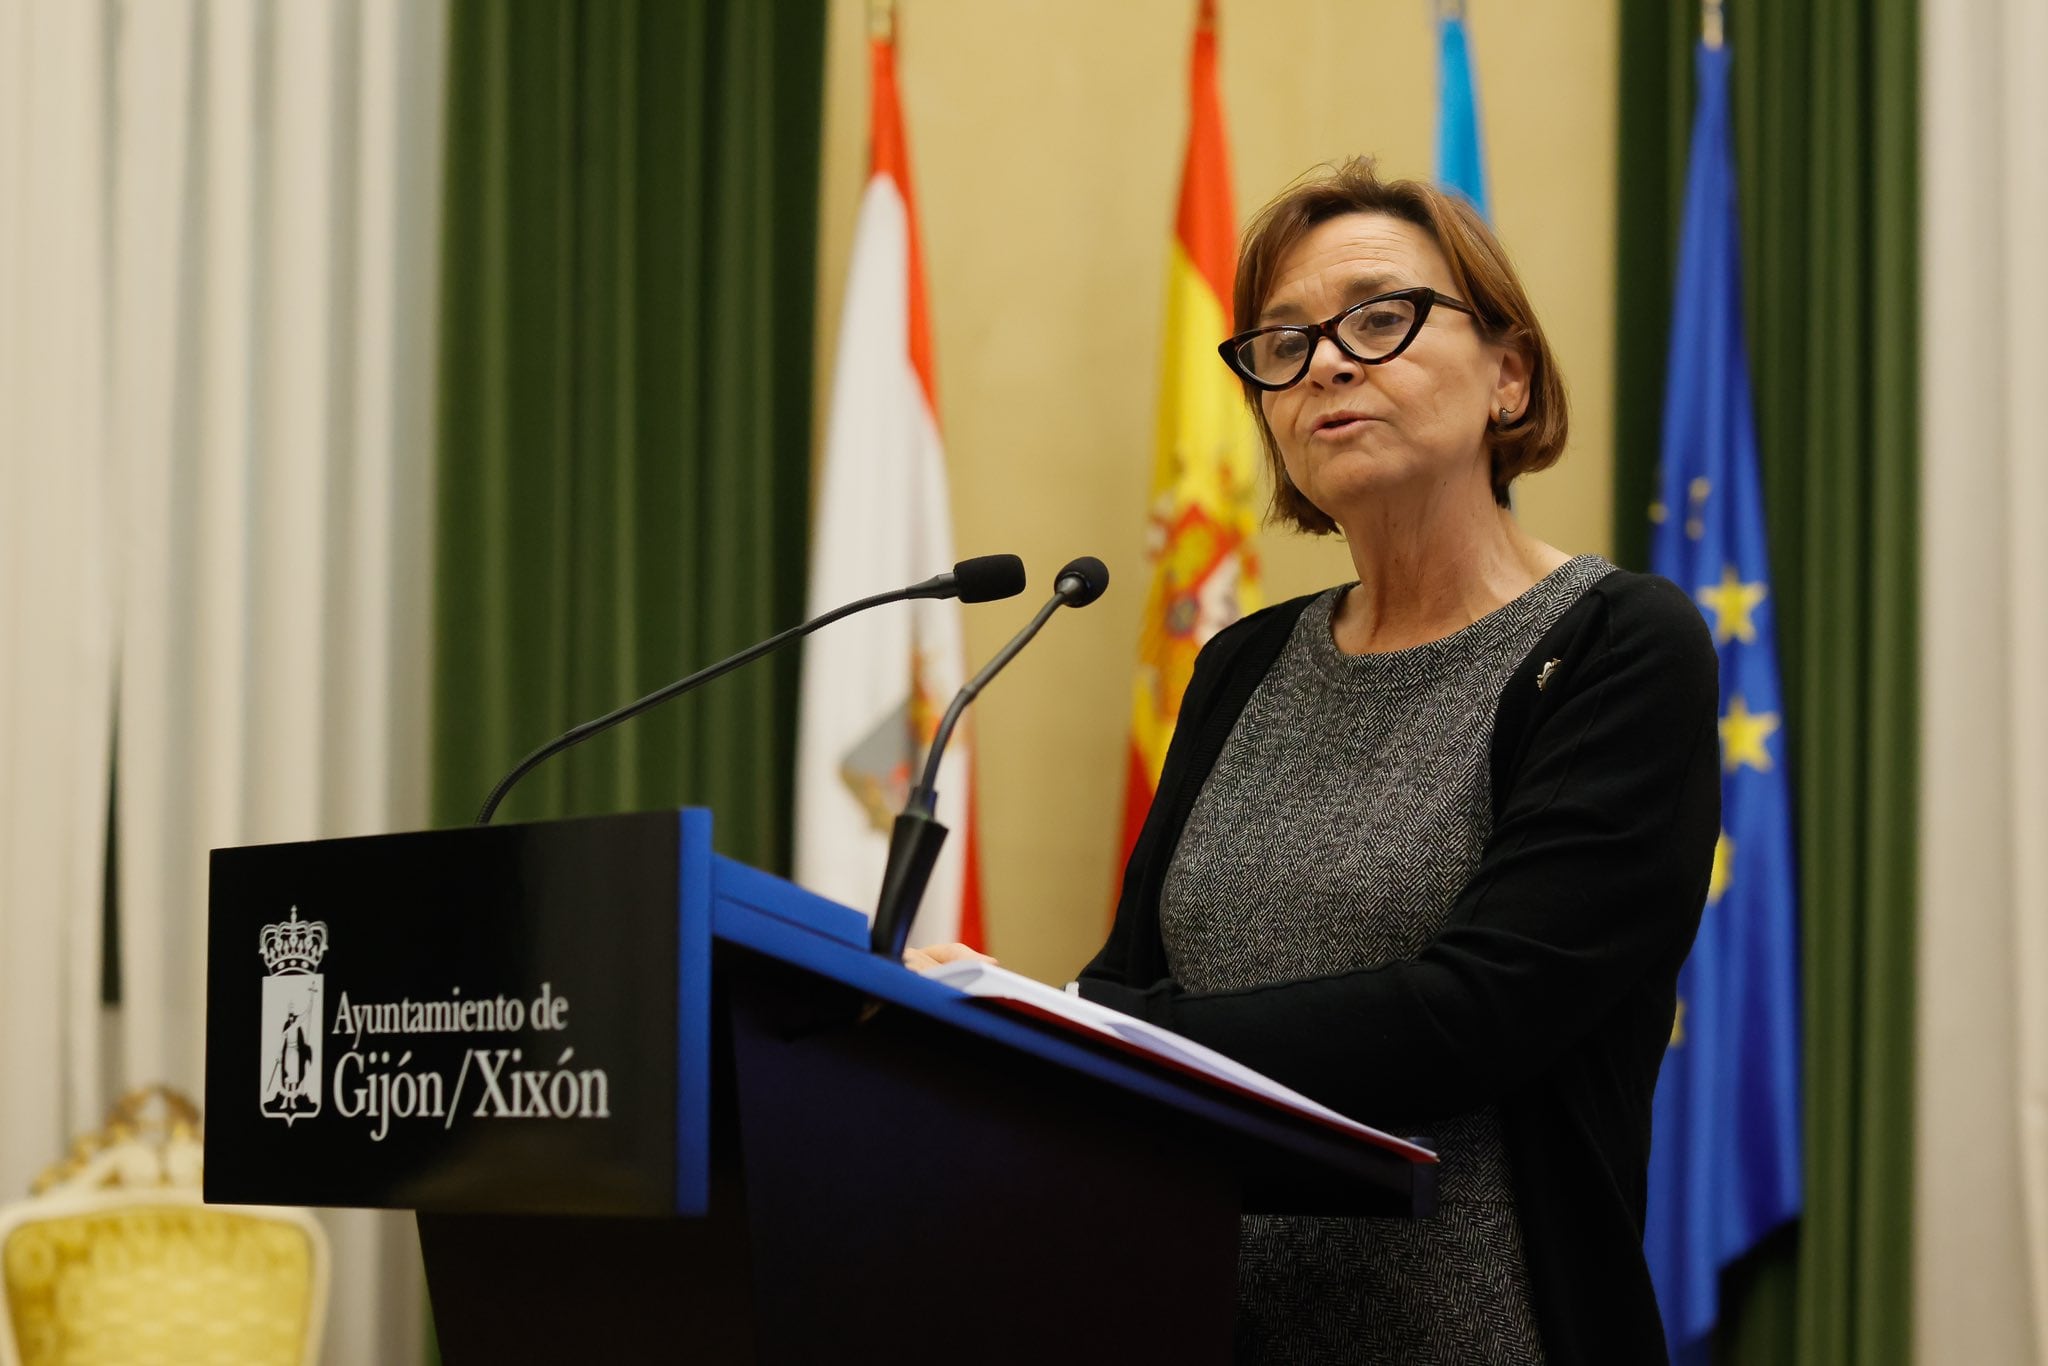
(1543, 675)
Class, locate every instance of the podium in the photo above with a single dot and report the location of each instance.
(651, 1104)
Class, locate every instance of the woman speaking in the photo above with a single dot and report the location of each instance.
(1431, 847)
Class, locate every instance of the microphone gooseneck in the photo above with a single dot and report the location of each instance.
(984, 578)
(915, 839)
(1080, 582)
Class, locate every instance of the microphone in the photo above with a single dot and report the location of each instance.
(985, 578)
(915, 840)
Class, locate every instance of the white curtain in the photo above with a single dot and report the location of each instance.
(1981, 1254)
(235, 445)
(56, 612)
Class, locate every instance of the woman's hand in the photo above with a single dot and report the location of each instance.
(931, 956)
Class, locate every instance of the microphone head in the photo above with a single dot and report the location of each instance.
(989, 578)
(1082, 580)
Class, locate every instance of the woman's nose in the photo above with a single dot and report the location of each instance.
(1329, 365)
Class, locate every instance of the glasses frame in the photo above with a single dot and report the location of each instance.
(1423, 297)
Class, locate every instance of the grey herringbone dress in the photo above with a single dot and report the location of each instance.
(1345, 812)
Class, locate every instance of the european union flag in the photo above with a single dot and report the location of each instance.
(1724, 1158)
(1460, 164)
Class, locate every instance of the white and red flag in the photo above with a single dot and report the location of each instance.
(875, 688)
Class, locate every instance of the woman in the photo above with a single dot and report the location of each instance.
(1431, 847)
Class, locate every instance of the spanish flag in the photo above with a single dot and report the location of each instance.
(873, 691)
(1205, 466)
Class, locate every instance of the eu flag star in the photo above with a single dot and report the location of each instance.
(1724, 863)
(1745, 737)
(1731, 601)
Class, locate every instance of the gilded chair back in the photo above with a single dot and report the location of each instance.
(117, 1261)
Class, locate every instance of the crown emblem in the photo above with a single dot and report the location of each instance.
(294, 945)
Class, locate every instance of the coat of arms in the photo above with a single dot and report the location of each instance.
(292, 949)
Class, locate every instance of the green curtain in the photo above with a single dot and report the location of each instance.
(624, 423)
(1825, 108)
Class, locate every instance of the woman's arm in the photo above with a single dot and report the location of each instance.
(1590, 886)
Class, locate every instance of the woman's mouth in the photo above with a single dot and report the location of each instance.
(1339, 425)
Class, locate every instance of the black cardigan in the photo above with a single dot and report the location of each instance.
(1549, 992)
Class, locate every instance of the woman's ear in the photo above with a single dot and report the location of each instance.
(1511, 381)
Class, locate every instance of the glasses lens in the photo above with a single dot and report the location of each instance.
(1376, 329)
(1273, 357)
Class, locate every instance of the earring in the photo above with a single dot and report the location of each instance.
(1504, 416)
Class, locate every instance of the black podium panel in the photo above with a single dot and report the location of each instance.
(415, 1022)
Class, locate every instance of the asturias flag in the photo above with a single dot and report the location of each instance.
(1460, 158)
(1725, 1150)
(875, 688)
(1205, 461)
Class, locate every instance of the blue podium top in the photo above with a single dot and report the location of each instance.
(477, 1020)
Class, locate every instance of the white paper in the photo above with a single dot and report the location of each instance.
(986, 980)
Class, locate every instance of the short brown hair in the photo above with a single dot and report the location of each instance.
(1481, 274)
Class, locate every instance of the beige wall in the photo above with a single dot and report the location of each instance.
(1045, 142)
